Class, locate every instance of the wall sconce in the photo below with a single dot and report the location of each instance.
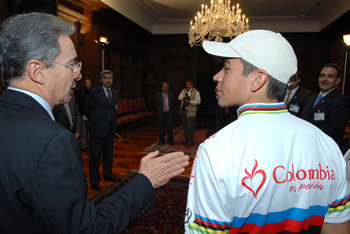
(346, 39)
(102, 43)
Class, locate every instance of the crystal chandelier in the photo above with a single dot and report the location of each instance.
(216, 22)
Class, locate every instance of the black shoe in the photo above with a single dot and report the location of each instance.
(171, 143)
(161, 143)
(96, 187)
(113, 178)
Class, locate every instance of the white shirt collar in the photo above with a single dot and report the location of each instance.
(37, 98)
(324, 94)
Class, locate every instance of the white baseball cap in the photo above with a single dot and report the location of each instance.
(264, 49)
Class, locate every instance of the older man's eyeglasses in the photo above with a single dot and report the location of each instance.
(75, 68)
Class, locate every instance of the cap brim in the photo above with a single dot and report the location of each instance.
(220, 49)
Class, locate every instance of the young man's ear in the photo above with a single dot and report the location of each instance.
(35, 72)
(259, 79)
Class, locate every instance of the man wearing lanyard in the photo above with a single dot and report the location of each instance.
(329, 109)
(190, 99)
(296, 97)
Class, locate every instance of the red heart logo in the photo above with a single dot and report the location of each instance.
(251, 176)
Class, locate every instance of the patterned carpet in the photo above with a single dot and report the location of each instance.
(179, 139)
(167, 216)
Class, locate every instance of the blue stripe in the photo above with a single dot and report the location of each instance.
(261, 105)
(278, 217)
(212, 220)
(340, 200)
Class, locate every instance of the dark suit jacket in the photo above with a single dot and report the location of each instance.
(336, 108)
(43, 186)
(299, 99)
(159, 104)
(100, 112)
(61, 115)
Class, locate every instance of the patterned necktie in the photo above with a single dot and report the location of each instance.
(317, 100)
(165, 106)
(288, 98)
(109, 96)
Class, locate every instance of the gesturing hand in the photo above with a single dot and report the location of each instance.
(160, 169)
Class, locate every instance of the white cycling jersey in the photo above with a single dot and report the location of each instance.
(267, 172)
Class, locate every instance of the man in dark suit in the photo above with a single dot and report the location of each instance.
(329, 109)
(164, 104)
(68, 115)
(296, 97)
(100, 108)
(43, 186)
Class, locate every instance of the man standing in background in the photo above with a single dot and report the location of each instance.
(190, 99)
(296, 97)
(84, 123)
(68, 115)
(100, 108)
(164, 104)
(329, 109)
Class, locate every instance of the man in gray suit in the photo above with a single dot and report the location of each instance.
(164, 104)
(68, 115)
(43, 186)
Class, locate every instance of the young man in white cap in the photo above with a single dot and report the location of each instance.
(268, 171)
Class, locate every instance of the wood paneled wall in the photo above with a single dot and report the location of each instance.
(143, 61)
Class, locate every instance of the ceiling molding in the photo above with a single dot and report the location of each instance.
(148, 7)
(91, 5)
(71, 16)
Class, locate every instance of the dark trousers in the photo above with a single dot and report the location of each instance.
(98, 147)
(166, 121)
(188, 125)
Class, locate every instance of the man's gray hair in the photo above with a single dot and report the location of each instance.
(105, 72)
(30, 36)
(165, 84)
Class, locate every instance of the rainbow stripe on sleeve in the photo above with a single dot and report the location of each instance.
(339, 205)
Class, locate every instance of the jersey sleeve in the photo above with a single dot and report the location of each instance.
(207, 209)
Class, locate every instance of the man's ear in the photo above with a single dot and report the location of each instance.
(337, 81)
(259, 79)
(34, 70)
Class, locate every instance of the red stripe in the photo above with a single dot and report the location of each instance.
(213, 224)
(262, 108)
(343, 201)
(288, 225)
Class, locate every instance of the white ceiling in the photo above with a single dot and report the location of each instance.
(173, 16)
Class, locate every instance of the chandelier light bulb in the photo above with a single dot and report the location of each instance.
(216, 22)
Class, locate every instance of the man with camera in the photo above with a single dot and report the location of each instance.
(190, 99)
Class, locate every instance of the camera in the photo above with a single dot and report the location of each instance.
(187, 98)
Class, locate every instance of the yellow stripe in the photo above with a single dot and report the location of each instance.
(339, 208)
(204, 230)
(264, 111)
